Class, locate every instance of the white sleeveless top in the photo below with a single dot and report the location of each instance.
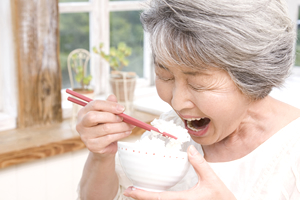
(270, 172)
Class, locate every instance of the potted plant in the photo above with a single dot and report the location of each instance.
(122, 83)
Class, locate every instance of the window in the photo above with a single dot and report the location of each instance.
(297, 61)
(110, 23)
(74, 33)
(125, 26)
(293, 9)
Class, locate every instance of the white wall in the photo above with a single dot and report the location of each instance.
(53, 178)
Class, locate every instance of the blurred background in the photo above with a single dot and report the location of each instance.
(41, 155)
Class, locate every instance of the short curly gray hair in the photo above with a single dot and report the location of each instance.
(252, 40)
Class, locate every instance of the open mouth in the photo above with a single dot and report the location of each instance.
(197, 124)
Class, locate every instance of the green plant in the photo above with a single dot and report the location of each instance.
(116, 57)
(80, 74)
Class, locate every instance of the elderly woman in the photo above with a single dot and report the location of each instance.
(216, 62)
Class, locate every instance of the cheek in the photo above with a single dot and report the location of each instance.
(224, 106)
(164, 91)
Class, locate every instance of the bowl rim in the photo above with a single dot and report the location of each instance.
(169, 154)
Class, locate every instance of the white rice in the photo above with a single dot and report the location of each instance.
(159, 142)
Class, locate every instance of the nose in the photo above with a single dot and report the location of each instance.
(181, 97)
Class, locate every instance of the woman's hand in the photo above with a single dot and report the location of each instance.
(209, 185)
(100, 128)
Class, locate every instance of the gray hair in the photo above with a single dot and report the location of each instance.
(253, 40)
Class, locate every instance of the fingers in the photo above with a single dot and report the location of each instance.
(100, 105)
(100, 127)
(200, 165)
(102, 123)
(94, 118)
(106, 106)
(103, 129)
(102, 142)
(102, 145)
(145, 195)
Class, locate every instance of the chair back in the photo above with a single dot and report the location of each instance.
(78, 57)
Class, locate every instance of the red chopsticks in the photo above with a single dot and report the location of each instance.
(126, 118)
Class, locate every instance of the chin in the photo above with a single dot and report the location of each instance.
(203, 141)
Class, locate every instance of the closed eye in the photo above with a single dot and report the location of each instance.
(164, 79)
(197, 88)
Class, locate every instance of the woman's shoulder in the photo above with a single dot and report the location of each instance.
(287, 142)
(291, 129)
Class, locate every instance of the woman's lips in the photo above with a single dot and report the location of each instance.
(197, 133)
(186, 116)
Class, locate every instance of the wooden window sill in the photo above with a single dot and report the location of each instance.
(24, 145)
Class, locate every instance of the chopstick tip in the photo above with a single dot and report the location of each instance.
(169, 135)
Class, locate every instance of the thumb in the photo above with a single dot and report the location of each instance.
(200, 165)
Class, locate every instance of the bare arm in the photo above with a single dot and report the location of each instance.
(95, 171)
(100, 129)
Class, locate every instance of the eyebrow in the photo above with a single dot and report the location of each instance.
(162, 67)
(190, 73)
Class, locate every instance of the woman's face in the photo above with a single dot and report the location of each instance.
(208, 101)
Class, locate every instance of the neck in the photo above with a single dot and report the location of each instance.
(263, 119)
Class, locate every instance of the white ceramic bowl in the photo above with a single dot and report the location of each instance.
(152, 170)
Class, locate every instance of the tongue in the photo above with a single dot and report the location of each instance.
(199, 124)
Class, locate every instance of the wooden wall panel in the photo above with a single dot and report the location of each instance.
(37, 53)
